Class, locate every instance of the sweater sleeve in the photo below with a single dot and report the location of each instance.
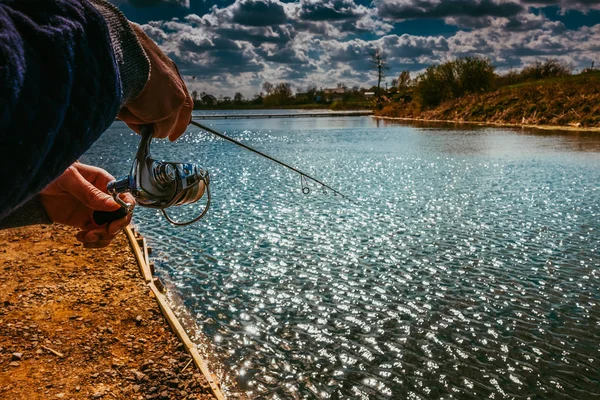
(133, 64)
(61, 85)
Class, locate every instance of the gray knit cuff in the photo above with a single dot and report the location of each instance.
(30, 213)
(134, 66)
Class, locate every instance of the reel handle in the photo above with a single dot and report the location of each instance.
(105, 217)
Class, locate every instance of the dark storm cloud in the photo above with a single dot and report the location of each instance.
(258, 13)
(400, 10)
(580, 5)
(331, 10)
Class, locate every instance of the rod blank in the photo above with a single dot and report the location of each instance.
(223, 136)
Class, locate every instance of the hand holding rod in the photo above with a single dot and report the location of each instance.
(106, 217)
(123, 185)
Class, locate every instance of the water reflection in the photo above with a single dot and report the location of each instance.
(586, 141)
(470, 270)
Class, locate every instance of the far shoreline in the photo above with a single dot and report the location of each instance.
(565, 128)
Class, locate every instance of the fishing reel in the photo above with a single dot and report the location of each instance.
(157, 184)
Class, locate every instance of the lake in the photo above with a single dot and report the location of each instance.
(469, 269)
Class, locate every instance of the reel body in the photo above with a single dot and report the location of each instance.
(160, 184)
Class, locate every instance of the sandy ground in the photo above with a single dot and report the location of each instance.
(78, 323)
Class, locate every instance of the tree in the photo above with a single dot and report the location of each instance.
(281, 94)
(268, 87)
(258, 98)
(403, 80)
(195, 96)
(311, 92)
(284, 90)
(238, 97)
(378, 59)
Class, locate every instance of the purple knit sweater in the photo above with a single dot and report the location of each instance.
(66, 67)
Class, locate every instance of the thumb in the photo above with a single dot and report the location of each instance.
(92, 197)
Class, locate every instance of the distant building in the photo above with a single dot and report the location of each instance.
(334, 94)
(337, 90)
(209, 100)
(369, 95)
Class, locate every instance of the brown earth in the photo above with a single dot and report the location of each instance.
(572, 102)
(79, 323)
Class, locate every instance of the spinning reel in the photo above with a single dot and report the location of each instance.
(157, 184)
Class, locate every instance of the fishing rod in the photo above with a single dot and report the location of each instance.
(162, 184)
(303, 175)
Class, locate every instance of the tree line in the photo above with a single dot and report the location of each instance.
(281, 94)
(460, 77)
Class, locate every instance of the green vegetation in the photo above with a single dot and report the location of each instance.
(467, 89)
(281, 96)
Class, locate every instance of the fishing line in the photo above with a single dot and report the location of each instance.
(303, 175)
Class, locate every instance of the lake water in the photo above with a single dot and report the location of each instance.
(470, 268)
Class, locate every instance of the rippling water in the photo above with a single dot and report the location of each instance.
(470, 270)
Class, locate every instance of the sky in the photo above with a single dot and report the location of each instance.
(228, 46)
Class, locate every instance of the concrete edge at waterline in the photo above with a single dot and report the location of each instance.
(141, 252)
(495, 124)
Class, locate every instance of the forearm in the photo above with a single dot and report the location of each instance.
(63, 78)
(30, 213)
(132, 62)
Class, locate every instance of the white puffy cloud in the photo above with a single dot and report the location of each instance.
(239, 46)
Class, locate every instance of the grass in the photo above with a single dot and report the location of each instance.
(565, 101)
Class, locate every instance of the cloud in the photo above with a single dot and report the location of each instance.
(285, 55)
(519, 22)
(151, 3)
(238, 46)
(258, 35)
(578, 5)
(407, 9)
(330, 10)
(258, 13)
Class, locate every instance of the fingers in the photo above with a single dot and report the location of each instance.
(102, 236)
(172, 126)
(164, 101)
(89, 195)
(183, 119)
(94, 240)
(127, 116)
(163, 129)
(96, 176)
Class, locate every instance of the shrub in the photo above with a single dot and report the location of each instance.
(475, 74)
(550, 68)
(454, 79)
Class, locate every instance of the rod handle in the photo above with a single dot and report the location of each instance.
(105, 217)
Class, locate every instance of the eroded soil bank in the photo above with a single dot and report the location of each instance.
(80, 324)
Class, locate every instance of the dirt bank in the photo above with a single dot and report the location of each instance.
(571, 102)
(81, 324)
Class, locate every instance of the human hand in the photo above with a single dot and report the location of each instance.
(164, 101)
(75, 195)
